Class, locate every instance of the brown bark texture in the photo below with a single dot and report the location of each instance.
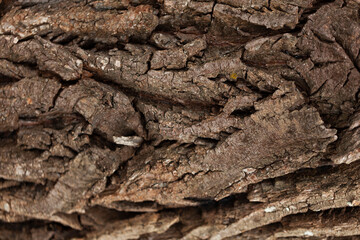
(179, 119)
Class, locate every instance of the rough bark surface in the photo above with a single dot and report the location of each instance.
(179, 119)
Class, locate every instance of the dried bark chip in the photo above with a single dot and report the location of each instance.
(109, 111)
(26, 98)
(79, 19)
(47, 56)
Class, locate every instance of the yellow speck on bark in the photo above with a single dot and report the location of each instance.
(233, 76)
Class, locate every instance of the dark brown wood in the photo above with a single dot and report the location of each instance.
(179, 119)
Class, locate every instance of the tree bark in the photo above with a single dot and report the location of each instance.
(179, 119)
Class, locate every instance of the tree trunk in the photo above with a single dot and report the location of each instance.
(179, 119)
